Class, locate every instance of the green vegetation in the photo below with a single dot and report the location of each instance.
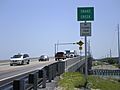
(71, 80)
(111, 60)
(97, 63)
(103, 84)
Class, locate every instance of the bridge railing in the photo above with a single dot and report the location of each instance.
(39, 77)
(106, 73)
(73, 64)
(35, 78)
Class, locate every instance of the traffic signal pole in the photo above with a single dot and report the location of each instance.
(56, 45)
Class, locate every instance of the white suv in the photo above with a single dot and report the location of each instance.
(19, 59)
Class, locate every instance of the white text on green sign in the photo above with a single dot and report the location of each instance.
(85, 14)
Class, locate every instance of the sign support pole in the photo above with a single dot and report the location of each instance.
(80, 53)
(85, 14)
(86, 63)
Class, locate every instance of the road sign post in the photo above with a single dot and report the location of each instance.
(85, 14)
(86, 63)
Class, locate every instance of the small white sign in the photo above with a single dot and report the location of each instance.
(85, 29)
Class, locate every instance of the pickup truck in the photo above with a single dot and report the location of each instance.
(60, 55)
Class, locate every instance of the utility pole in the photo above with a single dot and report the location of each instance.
(55, 48)
(57, 45)
(110, 53)
(118, 48)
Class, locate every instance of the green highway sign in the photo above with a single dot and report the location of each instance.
(85, 13)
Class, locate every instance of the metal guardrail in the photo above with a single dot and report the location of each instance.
(39, 77)
(105, 72)
(35, 78)
(73, 64)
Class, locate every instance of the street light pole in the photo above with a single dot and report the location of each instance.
(55, 48)
(110, 53)
(118, 48)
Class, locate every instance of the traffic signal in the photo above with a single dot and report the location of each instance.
(80, 43)
(80, 48)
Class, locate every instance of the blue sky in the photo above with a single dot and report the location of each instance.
(34, 26)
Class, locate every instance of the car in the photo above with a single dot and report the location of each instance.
(60, 55)
(70, 53)
(43, 58)
(19, 59)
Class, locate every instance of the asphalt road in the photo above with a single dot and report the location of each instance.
(7, 71)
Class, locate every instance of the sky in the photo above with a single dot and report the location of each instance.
(35, 26)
